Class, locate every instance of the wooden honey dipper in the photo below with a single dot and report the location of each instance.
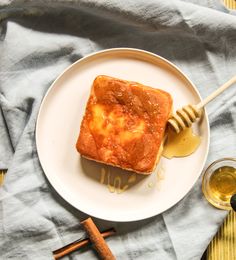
(187, 115)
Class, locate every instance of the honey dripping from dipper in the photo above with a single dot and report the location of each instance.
(181, 144)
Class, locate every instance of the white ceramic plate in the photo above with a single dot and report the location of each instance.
(76, 179)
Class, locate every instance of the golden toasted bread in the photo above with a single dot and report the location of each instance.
(124, 124)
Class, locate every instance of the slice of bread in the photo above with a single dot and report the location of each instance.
(124, 124)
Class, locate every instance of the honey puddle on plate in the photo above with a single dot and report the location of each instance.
(182, 144)
(116, 186)
(160, 174)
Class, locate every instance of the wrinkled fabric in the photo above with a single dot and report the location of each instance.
(38, 40)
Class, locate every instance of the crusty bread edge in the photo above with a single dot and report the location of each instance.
(162, 143)
(110, 164)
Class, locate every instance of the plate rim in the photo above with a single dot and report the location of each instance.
(87, 57)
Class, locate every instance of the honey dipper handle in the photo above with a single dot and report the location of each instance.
(217, 92)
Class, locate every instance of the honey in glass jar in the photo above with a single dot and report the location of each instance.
(219, 182)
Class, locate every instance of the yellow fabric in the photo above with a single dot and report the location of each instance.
(1, 177)
(223, 246)
(231, 4)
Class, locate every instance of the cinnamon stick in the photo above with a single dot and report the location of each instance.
(57, 254)
(97, 240)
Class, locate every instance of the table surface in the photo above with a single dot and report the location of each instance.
(223, 245)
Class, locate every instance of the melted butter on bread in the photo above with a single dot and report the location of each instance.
(115, 123)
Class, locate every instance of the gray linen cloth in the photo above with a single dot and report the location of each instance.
(38, 40)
